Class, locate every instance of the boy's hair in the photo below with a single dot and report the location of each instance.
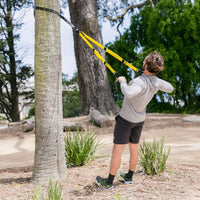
(154, 62)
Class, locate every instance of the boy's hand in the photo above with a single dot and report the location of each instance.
(121, 79)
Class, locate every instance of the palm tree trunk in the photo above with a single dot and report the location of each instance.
(49, 162)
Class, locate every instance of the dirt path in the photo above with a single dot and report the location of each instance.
(184, 143)
(180, 181)
(17, 152)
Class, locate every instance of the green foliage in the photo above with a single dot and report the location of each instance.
(31, 112)
(80, 147)
(2, 118)
(71, 97)
(37, 193)
(160, 107)
(172, 28)
(153, 156)
(54, 192)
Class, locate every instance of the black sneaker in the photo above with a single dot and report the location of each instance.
(102, 182)
(123, 177)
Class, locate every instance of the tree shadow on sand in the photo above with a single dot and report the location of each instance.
(18, 180)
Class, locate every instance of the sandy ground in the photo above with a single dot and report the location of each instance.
(184, 142)
(179, 181)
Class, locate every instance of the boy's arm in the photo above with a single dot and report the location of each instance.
(165, 86)
(129, 91)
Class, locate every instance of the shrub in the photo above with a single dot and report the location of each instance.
(71, 98)
(71, 103)
(153, 156)
(80, 147)
(31, 112)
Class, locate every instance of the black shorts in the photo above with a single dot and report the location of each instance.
(126, 131)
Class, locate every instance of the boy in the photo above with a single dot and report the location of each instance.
(137, 94)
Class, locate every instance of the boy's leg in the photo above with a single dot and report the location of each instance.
(121, 138)
(115, 162)
(116, 158)
(127, 177)
(133, 145)
(133, 156)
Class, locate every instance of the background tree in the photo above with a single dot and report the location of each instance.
(94, 86)
(172, 28)
(12, 71)
(49, 159)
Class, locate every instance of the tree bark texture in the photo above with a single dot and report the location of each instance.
(49, 161)
(93, 81)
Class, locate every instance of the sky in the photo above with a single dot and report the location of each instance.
(26, 43)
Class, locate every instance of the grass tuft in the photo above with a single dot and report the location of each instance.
(80, 147)
(153, 156)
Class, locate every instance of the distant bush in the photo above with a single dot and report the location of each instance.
(153, 156)
(2, 118)
(160, 107)
(71, 97)
(71, 103)
(31, 112)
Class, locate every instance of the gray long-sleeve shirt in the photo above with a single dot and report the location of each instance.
(138, 93)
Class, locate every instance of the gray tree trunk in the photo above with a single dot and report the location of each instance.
(49, 162)
(93, 81)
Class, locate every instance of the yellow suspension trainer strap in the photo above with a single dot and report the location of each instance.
(97, 54)
(111, 52)
(86, 38)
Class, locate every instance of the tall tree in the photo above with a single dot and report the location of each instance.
(12, 71)
(172, 28)
(94, 86)
(49, 162)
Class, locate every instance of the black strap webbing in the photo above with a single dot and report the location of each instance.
(57, 13)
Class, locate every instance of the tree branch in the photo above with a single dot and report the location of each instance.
(3, 68)
(119, 26)
(151, 2)
(120, 18)
(131, 7)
